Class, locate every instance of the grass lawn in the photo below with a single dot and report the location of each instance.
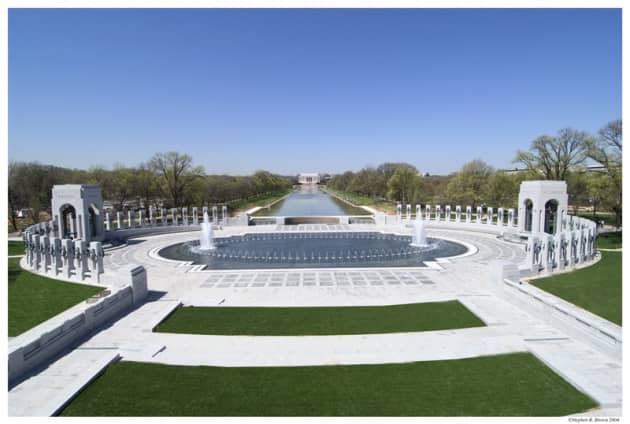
(257, 321)
(237, 206)
(34, 299)
(16, 248)
(357, 199)
(609, 240)
(596, 288)
(609, 218)
(504, 385)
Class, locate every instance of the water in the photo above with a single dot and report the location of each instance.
(313, 250)
(206, 237)
(419, 237)
(310, 201)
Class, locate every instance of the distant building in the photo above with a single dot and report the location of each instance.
(308, 178)
(587, 169)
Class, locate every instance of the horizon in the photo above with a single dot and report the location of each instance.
(303, 90)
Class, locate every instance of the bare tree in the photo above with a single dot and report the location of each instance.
(607, 150)
(176, 170)
(555, 156)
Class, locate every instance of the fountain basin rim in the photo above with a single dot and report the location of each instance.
(433, 263)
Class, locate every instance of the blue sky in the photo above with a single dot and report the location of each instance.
(322, 90)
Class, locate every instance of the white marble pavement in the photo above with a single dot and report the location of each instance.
(466, 279)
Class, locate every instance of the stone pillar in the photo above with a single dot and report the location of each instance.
(38, 252)
(542, 262)
(398, 213)
(175, 217)
(418, 211)
(73, 226)
(56, 254)
(152, 216)
(26, 239)
(81, 255)
(67, 257)
(215, 215)
(558, 241)
(575, 247)
(96, 255)
(130, 214)
(138, 282)
(224, 213)
(500, 217)
(438, 212)
(195, 215)
(408, 212)
(468, 214)
(489, 215)
(79, 226)
(163, 217)
(592, 242)
(427, 213)
(458, 213)
(45, 242)
(550, 257)
(537, 220)
(204, 211)
(108, 221)
(141, 217)
(119, 220)
(479, 213)
(447, 213)
(511, 217)
(185, 216)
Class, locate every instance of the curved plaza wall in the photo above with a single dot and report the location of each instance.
(573, 243)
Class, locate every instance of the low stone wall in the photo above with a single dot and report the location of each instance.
(572, 320)
(43, 343)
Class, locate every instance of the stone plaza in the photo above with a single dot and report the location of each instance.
(51, 363)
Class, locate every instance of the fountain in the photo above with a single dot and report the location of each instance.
(206, 239)
(311, 249)
(419, 238)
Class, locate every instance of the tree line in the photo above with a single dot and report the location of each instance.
(172, 179)
(563, 156)
(166, 180)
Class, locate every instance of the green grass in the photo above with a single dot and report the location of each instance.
(261, 200)
(359, 200)
(609, 218)
(609, 240)
(16, 248)
(257, 321)
(34, 299)
(596, 288)
(504, 385)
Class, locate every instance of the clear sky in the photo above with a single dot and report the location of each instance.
(313, 90)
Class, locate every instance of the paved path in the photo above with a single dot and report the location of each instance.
(509, 329)
(46, 393)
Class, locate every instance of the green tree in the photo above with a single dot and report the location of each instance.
(404, 184)
(145, 185)
(577, 188)
(501, 189)
(121, 188)
(468, 186)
